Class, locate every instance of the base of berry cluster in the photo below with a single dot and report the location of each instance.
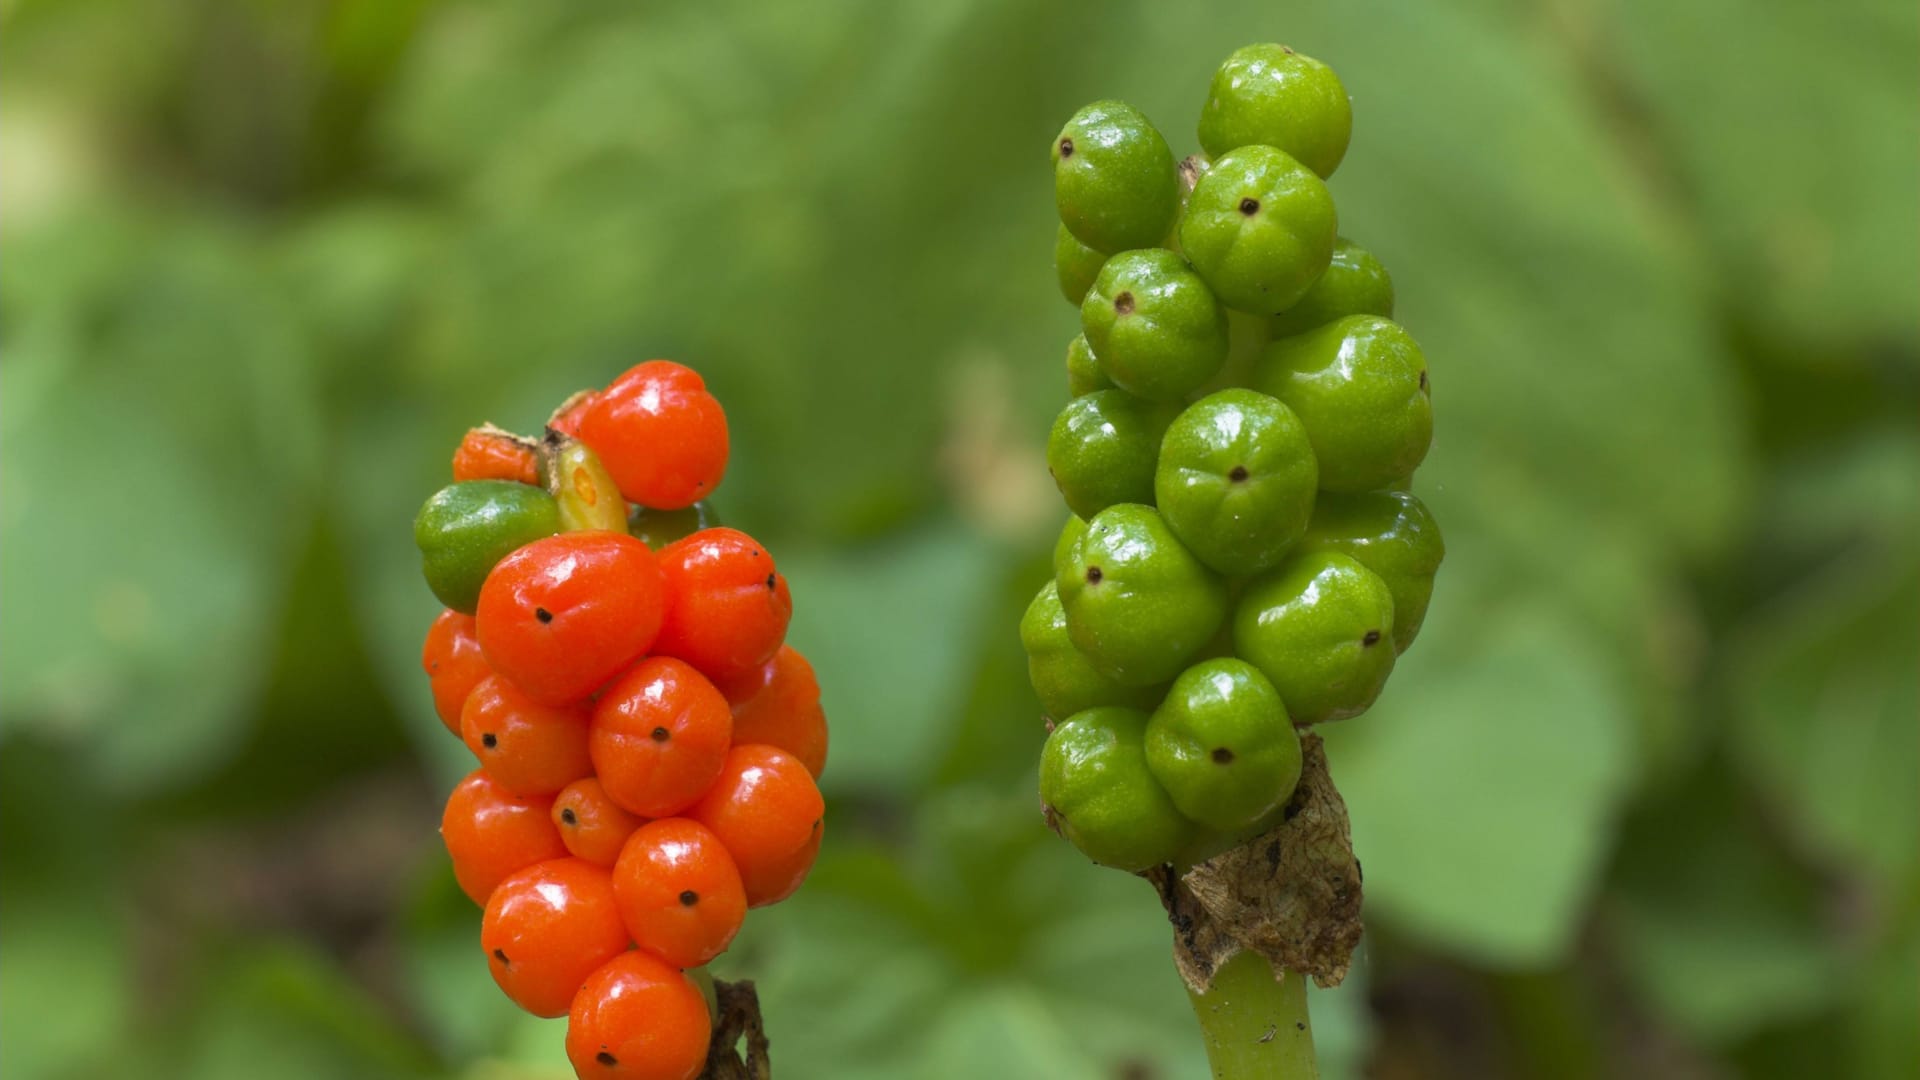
(1291, 894)
(738, 1022)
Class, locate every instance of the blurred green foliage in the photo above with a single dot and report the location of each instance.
(1643, 802)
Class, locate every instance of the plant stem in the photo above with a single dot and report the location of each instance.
(1255, 1024)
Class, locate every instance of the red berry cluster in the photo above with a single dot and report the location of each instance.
(648, 745)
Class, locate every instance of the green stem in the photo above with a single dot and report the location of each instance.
(1255, 1024)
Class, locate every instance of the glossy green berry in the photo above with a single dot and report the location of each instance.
(1084, 375)
(1138, 603)
(1270, 95)
(467, 527)
(1354, 284)
(1070, 534)
(662, 527)
(1259, 229)
(1102, 449)
(1222, 746)
(1075, 265)
(1155, 326)
(1063, 678)
(1320, 626)
(1098, 792)
(1392, 534)
(1359, 384)
(1236, 480)
(1114, 180)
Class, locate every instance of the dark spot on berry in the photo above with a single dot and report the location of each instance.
(1299, 1025)
(1423, 380)
(501, 955)
(1123, 303)
(1249, 206)
(1094, 575)
(1372, 638)
(1066, 147)
(543, 614)
(1288, 49)
(489, 740)
(606, 1059)
(568, 816)
(1222, 756)
(660, 734)
(1238, 475)
(770, 584)
(689, 898)
(754, 554)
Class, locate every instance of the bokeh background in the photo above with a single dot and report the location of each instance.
(1643, 802)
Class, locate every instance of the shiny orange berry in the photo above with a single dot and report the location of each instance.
(638, 1019)
(779, 705)
(679, 892)
(547, 928)
(591, 825)
(567, 420)
(767, 811)
(491, 833)
(454, 665)
(489, 454)
(564, 614)
(727, 607)
(527, 747)
(660, 433)
(658, 736)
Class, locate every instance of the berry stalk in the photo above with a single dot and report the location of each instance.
(1254, 1021)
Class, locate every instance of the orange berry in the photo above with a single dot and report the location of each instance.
(658, 736)
(638, 1019)
(779, 705)
(486, 454)
(727, 607)
(562, 615)
(567, 422)
(527, 747)
(547, 928)
(767, 811)
(679, 892)
(660, 433)
(454, 665)
(491, 833)
(591, 825)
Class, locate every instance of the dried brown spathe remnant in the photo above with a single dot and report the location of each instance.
(1292, 894)
(739, 1019)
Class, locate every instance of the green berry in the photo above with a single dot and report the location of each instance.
(1222, 746)
(465, 528)
(1138, 603)
(1354, 284)
(1114, 180)
(1259, 229)
(1075, 265)
(1271, 95)
(1099, 793)
(1070, 534)
(1102, 449)
(1236, 480)
(1155, 326)
(1063, 678)
(1083, 370)
(1359, 384)
(1392, 534)
(662, 527)
(1320, 626)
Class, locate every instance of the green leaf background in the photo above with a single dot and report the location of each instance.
(1642, 802)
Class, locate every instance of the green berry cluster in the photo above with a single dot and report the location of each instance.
(1245, 556)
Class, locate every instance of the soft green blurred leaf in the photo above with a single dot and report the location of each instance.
(1481, 800)
(1810, 212)
(1715, 928)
